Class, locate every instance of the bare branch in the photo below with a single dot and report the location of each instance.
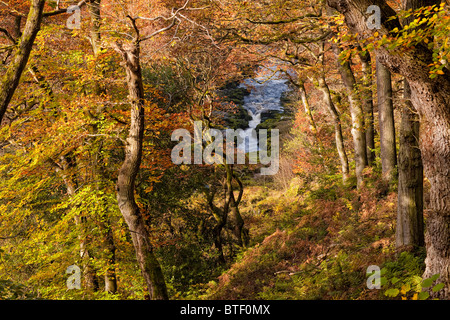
(274, 22)
(60, 11)
(8, 35)
(160, 30)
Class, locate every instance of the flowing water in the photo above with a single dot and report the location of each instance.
(265, 95)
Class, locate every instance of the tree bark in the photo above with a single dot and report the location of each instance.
(65, 167)
(431, 98)
(410, 224)
(336, 119)
(240, 232)
(149, 265)
(94, 13)
(386, 123)
(367, 102)
(12, 76)
(312, 124)
(220, 215)
(357, 114)
(410, 228)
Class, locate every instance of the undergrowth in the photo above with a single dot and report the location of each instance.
(316, 241)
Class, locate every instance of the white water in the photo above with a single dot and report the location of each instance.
(265, 94)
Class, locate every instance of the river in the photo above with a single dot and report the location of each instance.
(266, 90)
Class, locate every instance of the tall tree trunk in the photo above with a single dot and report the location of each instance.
(94, 13)
(110, 273)
(149, 265)
(12, 76)
(410, 228)
(367, 101)
(386, 122)
(357, 114)
(65, 168)
(305, 102)
(430, 98)
(109, 245)
(410, 224)
(336, 119)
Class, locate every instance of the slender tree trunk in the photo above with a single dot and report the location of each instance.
(307, 107)
(386, 122)
(109, 245)
(357, 114)
(336, 119)
(410, 228)
(149, 265)
(11, 79)
(110, 273)
(94, 13)
(220, 215)
(89, 275)
(430, 98)
(367, 101)
(240, 232)
(217, 231)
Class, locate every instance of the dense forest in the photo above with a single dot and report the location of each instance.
(225, 150)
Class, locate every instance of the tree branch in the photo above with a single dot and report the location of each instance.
(60, 11)
(8, 35)
(275, 22)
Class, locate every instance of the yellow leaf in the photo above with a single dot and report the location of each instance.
(415, 296)
(405, 288)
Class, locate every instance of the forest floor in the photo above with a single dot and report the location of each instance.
(316, 242)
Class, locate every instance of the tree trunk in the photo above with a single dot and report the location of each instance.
(307, 107)
(430, 98)
(89, 275)
(239, 231)
(335, 117)
(11, 79)
(386, 123)
(410, 228)
(367, 101)
(220, 215)
(149, 265)
(109, 245)
(110, 274)
(410, 224)
(94, 13)
(357, 114)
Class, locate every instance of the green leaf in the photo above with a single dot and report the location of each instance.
(434, 277)
(394, 280)
(438, 287)
(391, 292)
(427, 283)
(423, 295)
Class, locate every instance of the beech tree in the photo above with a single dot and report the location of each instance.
(357, 114)
(388, 146)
